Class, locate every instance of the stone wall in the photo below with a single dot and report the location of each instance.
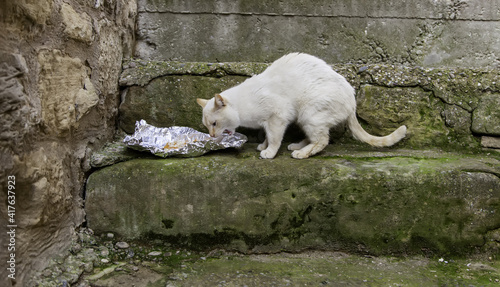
(447, 108)
(424, 32)
(60, 62)
(59, 68)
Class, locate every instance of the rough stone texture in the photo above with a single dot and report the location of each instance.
(39, 12)
(486, 117)
(59, 68)
(78, 26)
(457, 118)
(154, 263)
(394, 202)
(482, 10)
(65, 90)
(85, 99)
(491, 142)
(437, 105)
(17, 115)
(385, 109)
(424, 32)
(171, 101)
(112, 153)
(141, 72)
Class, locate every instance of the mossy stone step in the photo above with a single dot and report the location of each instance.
(349, 198)
(447, 107)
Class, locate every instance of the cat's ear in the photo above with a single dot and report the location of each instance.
(219, 101)
(202, 102)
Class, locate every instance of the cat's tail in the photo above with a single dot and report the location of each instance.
(360, 134)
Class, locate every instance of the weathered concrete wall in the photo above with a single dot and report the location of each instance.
(59, 68)
(423, 32)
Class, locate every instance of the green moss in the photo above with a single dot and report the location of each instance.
(189, 268)
(338, 269)
(385, 109)
(371, 203)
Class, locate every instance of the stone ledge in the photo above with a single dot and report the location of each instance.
(141, 72)
(368, 200)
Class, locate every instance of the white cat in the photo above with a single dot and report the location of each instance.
(295, 88)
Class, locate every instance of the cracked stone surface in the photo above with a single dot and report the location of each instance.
(425, 32)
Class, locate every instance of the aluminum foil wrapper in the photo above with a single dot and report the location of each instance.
(179, 141)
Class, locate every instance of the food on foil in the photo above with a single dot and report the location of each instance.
(179, 141)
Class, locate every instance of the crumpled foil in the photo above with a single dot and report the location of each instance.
(179, 141)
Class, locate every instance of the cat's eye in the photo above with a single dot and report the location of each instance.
(214, 124)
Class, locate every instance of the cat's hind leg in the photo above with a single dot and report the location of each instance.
(296, 146)
(262, 146)
(318, 140)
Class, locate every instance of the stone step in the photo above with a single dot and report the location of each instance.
(435, 192)
(448, 108)
(311, 268)
(349, 197)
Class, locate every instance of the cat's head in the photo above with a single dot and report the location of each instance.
(219, 116)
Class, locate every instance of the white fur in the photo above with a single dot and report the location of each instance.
(295, 88)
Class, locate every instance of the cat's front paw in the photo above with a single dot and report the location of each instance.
(267, 154)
